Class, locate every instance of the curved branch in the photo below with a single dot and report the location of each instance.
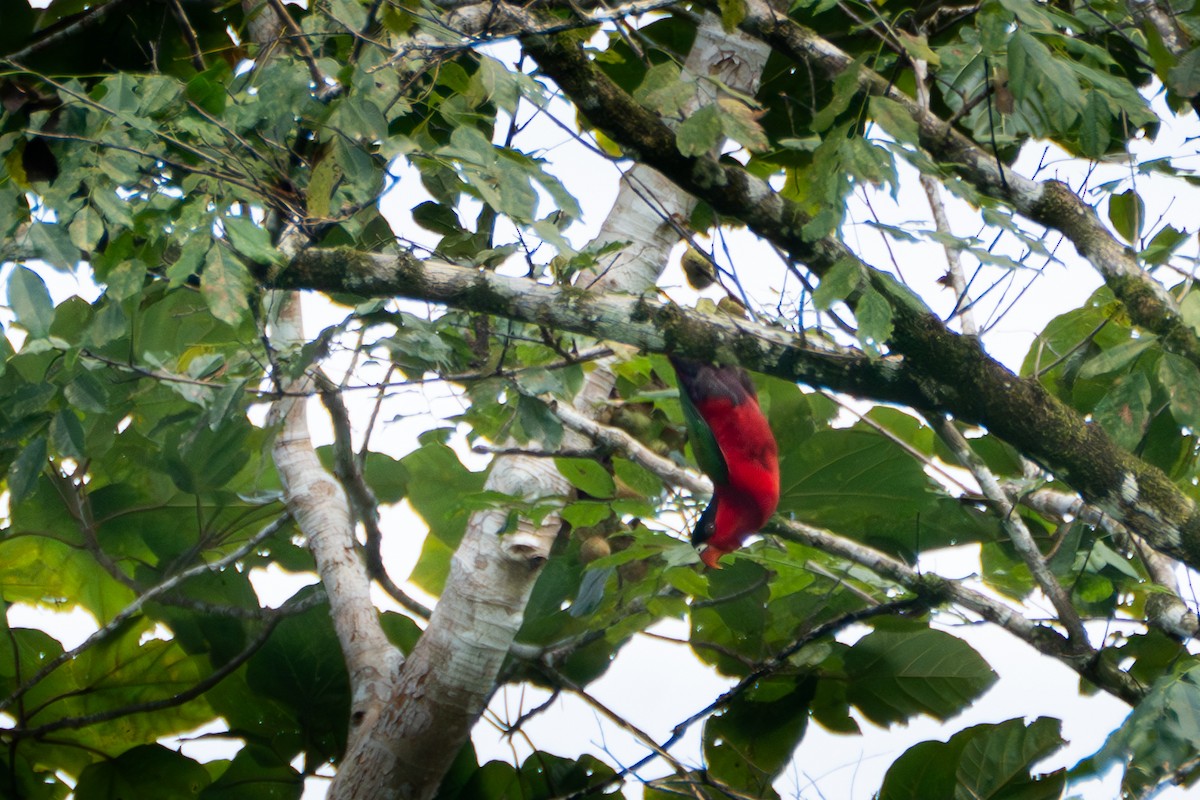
(1045, 640)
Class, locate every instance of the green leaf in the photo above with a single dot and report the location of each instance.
(206, 90)
(1094, 136)
(1039, 77)
(740, 123)
(735, 622)
(1163, 245)
(750, 742)
(205, 459)
(301, 667)
(67, 434)
(700, 132)
(26, 468)
(895, 119)
(251, 241)
(437, 482)
(52, 243)
(918, 49)
(436, 217)
(149, 770)
(585, 514)
(895, 675)
(924, 772)
(996, 763)
(321, 185)
(636, 478)
(897, 507)
(1116, 358)
(984, 762)
(842, 278)
(1127, 213)
(256, 773)
(226, 286)
(1181, 379)
(538, 423)
(845, 87)
(1184, 77)
(1125, 411)
(30, 301)
(86, 229)
(586, 476)
(874, 315)
(125, 280)
(1161, 734)
(122, 672)
(663, 91)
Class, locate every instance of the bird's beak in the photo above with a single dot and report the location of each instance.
(710, 555)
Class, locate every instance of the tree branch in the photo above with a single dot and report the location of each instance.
(1019, 535)
(941, 371)
(632, 449)
(322, 512)
(1050, 203)
(639, 321)
(362, 500)
(1045, 640)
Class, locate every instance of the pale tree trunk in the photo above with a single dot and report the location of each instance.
(446, 682)
(321, 510)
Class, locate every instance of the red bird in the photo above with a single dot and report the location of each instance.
(734, 446)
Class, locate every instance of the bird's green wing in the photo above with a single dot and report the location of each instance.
(704, 444)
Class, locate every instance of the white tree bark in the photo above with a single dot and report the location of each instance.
(318, 504)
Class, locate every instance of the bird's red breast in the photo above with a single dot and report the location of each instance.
(749, 494)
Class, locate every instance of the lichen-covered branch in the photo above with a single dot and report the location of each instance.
(643, 322)
(1019, 535)
(1165, 609)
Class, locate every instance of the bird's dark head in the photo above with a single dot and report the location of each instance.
(706, 526)
(702, 534)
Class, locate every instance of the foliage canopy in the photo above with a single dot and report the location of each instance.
(197, 159)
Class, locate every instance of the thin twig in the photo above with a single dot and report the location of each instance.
(189, 35)
(634, 450)
(362, 498)
(933, 191)
(322, 85)
(1019, 535)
